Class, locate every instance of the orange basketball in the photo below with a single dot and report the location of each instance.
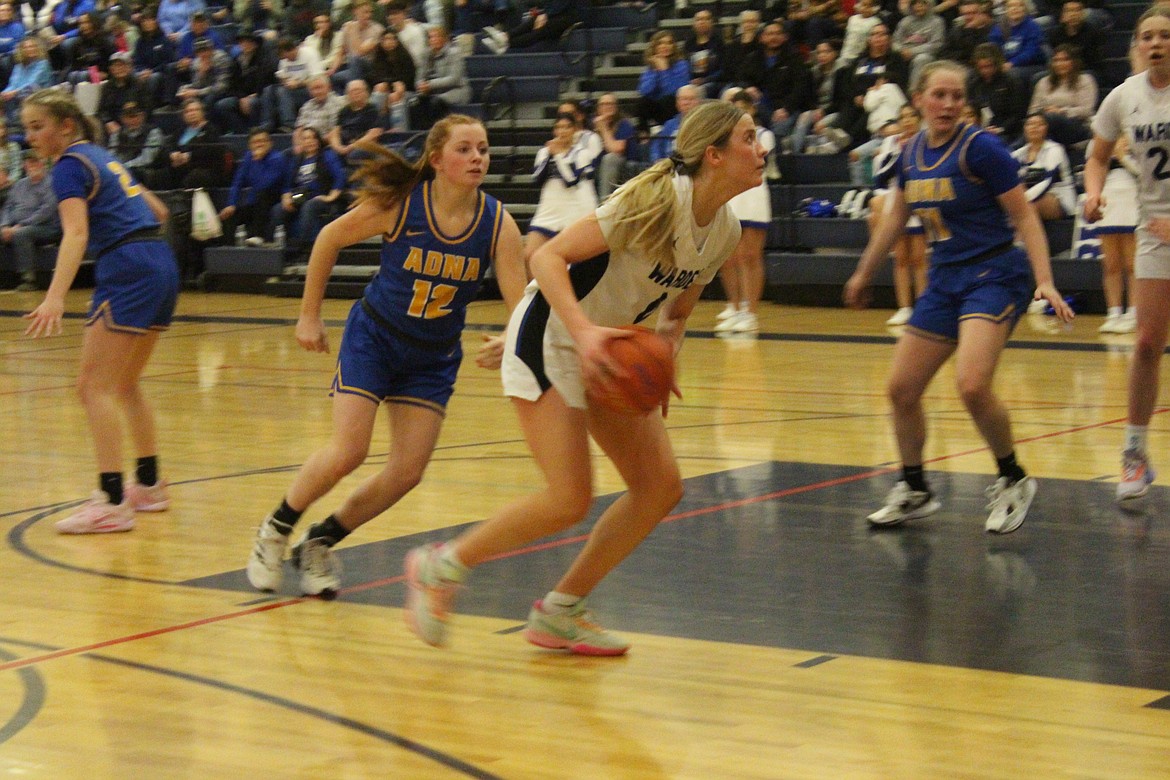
(648, 361)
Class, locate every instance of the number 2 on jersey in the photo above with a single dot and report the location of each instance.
(131, 189)
(1160, 172)
(430, 300)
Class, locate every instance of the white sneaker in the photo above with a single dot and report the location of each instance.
(846, 204)
(429, 596)
(494, 47)
(746, 322)
(1127, 323)
(1136, 475)
(1110, 324)
(860, 205)
(904, 504)
(498, 37)
(254, 241)
(1009, 502)
(901, 316)
(730, 310)
(98, 516)
(728, 324)
(1038, 307)
(265, 567)
(320, 569)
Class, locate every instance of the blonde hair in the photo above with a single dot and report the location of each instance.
(652, 46)
(387, 178)
(931, 68)
(647, 203)
(61, 106)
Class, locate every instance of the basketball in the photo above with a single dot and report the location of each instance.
(648, 361)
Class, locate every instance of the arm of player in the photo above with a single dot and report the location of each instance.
(46, 318)
(157, 207)
(1027, 223)
(511, 276)
(550, 263)
(364, 221)
(877, 251)
(672, 319)
(1096, 169)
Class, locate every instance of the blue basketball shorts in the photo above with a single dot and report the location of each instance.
(997, 289)
(136, 287)
(375, 363)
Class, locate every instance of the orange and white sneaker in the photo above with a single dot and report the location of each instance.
(1136, 476)
(429, 596)
(148, 498)
(574, 630)
(98, 516)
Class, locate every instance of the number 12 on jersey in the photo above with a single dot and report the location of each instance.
(431, 300)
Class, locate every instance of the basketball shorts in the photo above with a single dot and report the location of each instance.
(382, 366)
(533, 363)
(1153, 257)
(997, 290)
(136, 287)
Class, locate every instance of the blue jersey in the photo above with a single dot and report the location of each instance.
(114, 198)
(427, 279)
(953, 190)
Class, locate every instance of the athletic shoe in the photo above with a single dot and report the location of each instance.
(1127, 323)
(429, 597)
(846, 204)
(746, 322)
(496, 40)
(901, 316)
(903, 503)
(837, 139)
(1110, 324)
(254, 241)
(148, 498)
(1038, 307)
(1008, 503)
(728, 325)
(98, 516)
(574, 630)
(1136, 475)
(730, 310)
(320, 569)
(265, 567)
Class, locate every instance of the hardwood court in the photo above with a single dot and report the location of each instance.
(775, 636)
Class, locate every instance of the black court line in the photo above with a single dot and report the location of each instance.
(1160, 704)
(31, 702)
(820, 659)
(35, 698)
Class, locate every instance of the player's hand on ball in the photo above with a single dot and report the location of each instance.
(598, 368)
(491, 352)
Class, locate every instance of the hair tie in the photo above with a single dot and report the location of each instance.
(680, 164)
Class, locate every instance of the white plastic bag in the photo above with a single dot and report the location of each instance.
(205, 224)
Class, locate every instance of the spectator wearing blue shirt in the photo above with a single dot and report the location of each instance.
(665, 72)
(314, 181)
(31, 73)
(255, 189)
(63, 26)
(619, 141)
(153, 54)
(11, 33)
(662, 144)
(1022, 40)
(174, 16)
(29, 219)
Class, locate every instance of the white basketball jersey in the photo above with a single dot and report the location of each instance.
(1142, 112)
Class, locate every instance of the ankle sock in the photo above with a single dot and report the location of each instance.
(1135, 437)
(450, 567)
(146, 473)
(111, 484)
(328, 530)
(915, 477)
(1009, 468)
(285, 517)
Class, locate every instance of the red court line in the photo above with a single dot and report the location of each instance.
(71, 651)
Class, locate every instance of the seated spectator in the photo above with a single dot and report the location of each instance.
(662, 144)
(666, 71)
(1045, 171)
(29, 219)
(298, 19)
(831, 88)
(703, 48)
(174, 17)
(253, 70)
(357, 121)
(411, 34)
(11, 34)
(208, 77)
(256, 189)
(195, 158)
(746, 40)
(392, 74)
(89, 56)
(30, 73)
(997, 93)
(120, 88)
(136, 143)
(778, 81)
(973, 28)
(61, 30)
(473, 15)
(1021, 39)
(1074, 31)
(812, 21)
(857, 29)
(263, 16)
(919, 36)
(153, 54)
(321, 110)
(11, 160)
(281, 101)
(327, 43)
(620, 141)
(851, 127)
(359, 38)
(545, 24)
(1066, 96)
(313, 185)
(441, 84)
(199, 30)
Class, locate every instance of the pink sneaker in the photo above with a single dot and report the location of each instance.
(148, 498)
(98, 516)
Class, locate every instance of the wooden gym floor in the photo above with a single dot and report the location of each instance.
(775, 636)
